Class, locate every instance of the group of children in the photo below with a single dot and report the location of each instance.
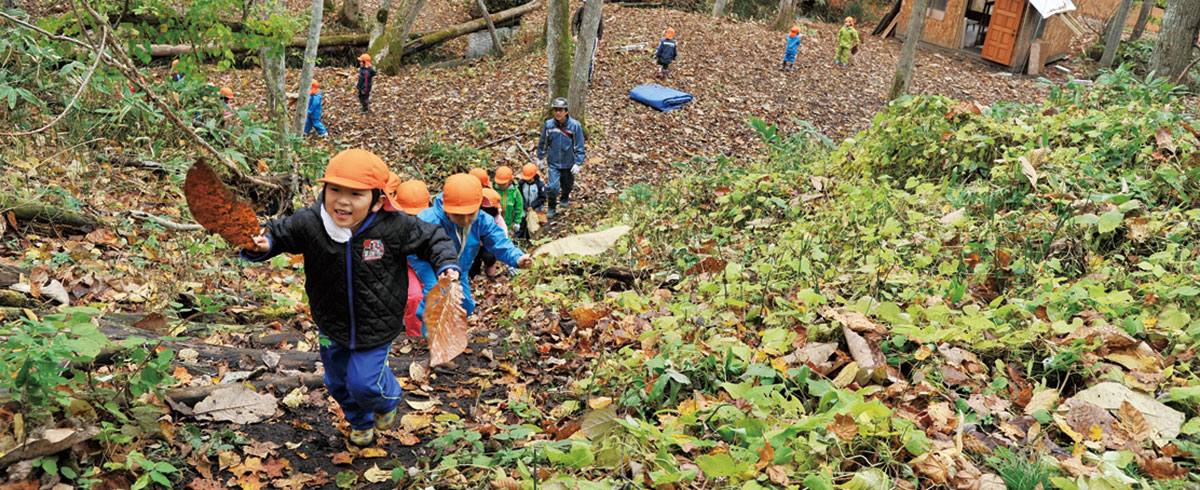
(374, 247)
(366, 81)
(847, 40)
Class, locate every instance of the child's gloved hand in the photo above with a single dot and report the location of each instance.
(451, 274)
(525, 262)
(575, 170)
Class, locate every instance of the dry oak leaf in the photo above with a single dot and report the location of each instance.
(1074, 467)
(216, 208)
(1161, 468)
(843, 426)
(206, 484)
(445, 321)
(273, 468)
(935, 465)
(376, 475)
(778, 475)
(250, 466)
(247, 482)
(1042, 400)
(1134, 424)
(343, 457)
(261, 449)
(505, 483)
(854, 320)
(373, 452)
(413, 422)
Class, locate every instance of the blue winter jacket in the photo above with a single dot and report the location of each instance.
(561, 146)
(484, 232)
(314, 105)
(793, 45)
(665, 53)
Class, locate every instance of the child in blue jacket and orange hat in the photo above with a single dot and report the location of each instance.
(793, 45)
(355, 244)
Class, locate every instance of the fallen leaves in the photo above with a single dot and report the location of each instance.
(217, 209)
(445, 321)
(235, 403)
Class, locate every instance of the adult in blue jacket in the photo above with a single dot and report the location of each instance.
(456, 210)
(314, 111)
(560, 150)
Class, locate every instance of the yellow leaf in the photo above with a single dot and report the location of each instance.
(376, 475)
(599, 402)
(415, 422)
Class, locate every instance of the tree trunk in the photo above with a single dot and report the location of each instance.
(908, 53)
(1173, 49)
(348, 16)
(379, 22)
(582, 64)
(719, 9)
(274, 74)
(1139, 27)
(785, 16)
(497, 49)
(396, 38)
(1113, 37)
(437, 37)
(306, 72)
(558, 49)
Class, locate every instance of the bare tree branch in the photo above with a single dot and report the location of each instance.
(168, 224)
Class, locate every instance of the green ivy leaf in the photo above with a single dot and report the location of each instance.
(1110, 221)
(720, 465)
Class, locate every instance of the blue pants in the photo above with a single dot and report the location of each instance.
(559, 178)
(314, 123)
(360, 381)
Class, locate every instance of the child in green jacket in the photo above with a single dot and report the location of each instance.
(510, 199)
(847, 38)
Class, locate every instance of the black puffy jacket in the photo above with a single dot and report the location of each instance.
(357, 290)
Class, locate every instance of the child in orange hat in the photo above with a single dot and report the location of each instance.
(355, 242)
(314, 111)
(793, 46)
(413, 197)
(456, 211)
(533, 194)
(366, 81)
(494, 208)
(512, 203)
(175, 75)
(665, 54)
(847, 39)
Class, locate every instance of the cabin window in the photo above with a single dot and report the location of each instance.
(937, 10)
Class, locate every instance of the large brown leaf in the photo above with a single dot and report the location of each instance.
(217, 209)
(446, 321)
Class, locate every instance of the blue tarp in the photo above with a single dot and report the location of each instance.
(660, 97)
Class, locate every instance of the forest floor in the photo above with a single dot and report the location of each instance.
(730, 67)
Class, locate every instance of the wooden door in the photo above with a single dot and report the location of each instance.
(1002, 31)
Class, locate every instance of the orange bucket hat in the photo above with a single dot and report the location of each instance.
(462, 194)
(413, 196)
(227, 92)
(795, 31)
(529, 171)
(504, 174)
(482, 175)
(365, 57)
(670, 33)
(492, 198)
(316, 87)
(362, 170)
(850, 20)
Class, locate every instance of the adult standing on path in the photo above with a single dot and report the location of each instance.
(560, 151)
(577, 26)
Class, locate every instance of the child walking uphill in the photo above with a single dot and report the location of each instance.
(456, 211)
(314, 111)
(355, 245)
(847, 39)
(664, 55)
(789, 54)
(413, 197)
(366, 81)
(533, 194)
(512, 205)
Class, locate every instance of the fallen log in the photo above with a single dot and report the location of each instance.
(191, 395)
(429, 40)
(25, 210)
(333, 40)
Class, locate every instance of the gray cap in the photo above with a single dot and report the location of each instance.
(559, 103)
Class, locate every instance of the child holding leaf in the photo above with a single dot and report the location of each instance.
(355, 242)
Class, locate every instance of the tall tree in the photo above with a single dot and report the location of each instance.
(306, 71)
(785, 16)
(1113, 38)
(271, 57)
(389, 49)
(908, 52)
(577, 95)
(1173, 50)
(558, 49)
(379, 21)
(1139, 27)
(348, 16)
(719, 8)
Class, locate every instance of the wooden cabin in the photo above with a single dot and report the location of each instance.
(1013, 33)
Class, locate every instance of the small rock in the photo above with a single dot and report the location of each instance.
(271, 359)
(188, 355)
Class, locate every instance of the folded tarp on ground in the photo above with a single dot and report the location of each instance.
(660, 97)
